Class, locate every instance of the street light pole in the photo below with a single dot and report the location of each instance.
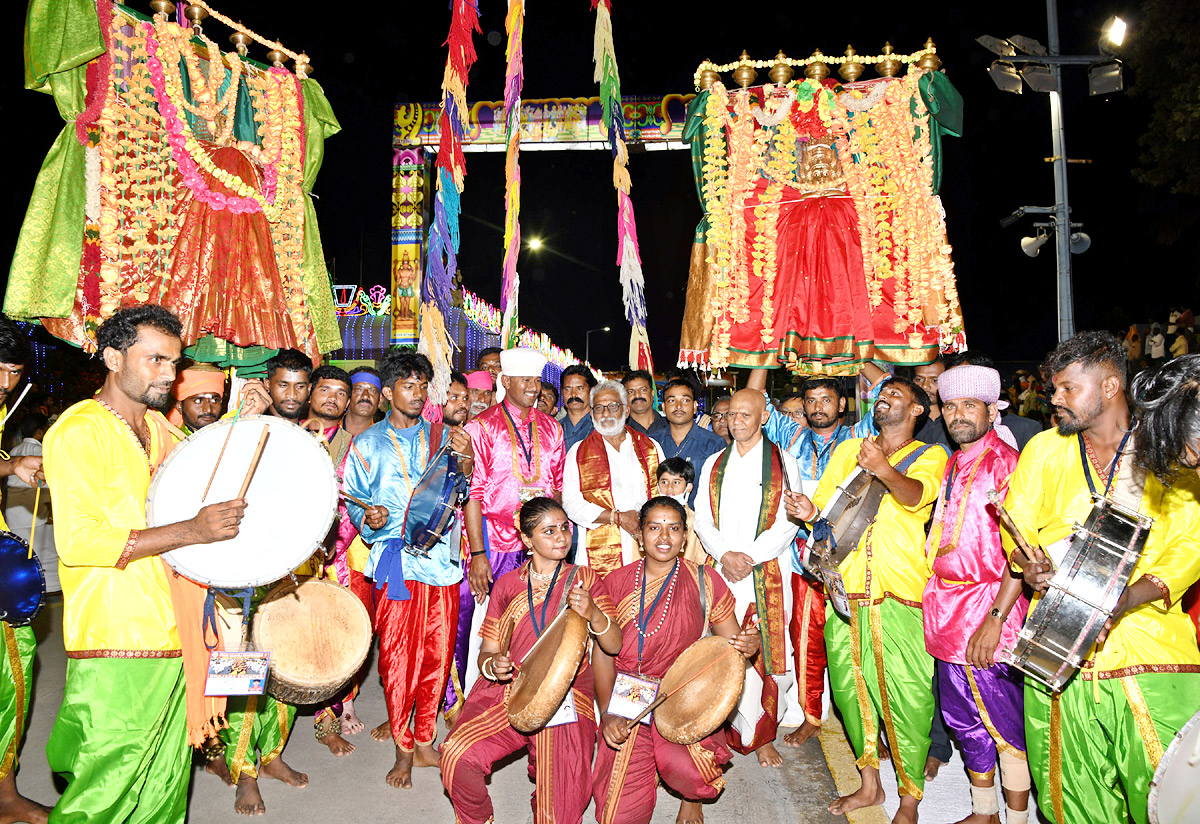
(1062, 210)
(587, 346)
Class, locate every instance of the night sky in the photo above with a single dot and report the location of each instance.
(369, 56)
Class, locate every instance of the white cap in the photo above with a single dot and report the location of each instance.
(522, 363)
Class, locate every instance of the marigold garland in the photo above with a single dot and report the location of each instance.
(882, 140)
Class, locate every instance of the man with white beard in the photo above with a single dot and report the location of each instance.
(606, 478)
(481, 391)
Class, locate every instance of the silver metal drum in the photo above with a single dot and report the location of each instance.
(1065, 622)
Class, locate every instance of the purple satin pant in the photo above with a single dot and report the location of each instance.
(996, 701)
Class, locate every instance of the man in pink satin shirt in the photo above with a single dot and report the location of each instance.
(518, 456)
(973, 604)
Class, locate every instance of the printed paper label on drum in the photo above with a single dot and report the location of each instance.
(237, 673)
(631, 694)
(566, 712)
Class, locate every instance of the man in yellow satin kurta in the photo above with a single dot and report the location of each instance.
(1094, 747)
(121, 736)
(879, 670)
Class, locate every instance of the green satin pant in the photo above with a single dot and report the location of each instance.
(16, 666)
(880, 672)
(120, 740)
(257, 723)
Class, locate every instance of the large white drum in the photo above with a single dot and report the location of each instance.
(1175, 790)
(290, 504)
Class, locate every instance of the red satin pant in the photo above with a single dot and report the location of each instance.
(692, 771)
(560, 758)
(416, 648)
(807, 629)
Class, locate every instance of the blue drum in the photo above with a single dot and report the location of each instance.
(22, 583)
(432, 510)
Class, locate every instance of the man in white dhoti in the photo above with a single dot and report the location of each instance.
(741, 521)
(606, 478)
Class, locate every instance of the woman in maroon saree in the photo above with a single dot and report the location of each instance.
(660, 612)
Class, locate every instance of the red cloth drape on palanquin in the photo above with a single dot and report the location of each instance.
(223, 278)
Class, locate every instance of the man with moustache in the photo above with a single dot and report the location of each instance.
(1141, 682)
(199, 396)
(489, 360)
(741, 521)
(122, 733)
(365, 396)
(606, 478)
(679, 435)
(973, 604)
(289, 379)
(417, 597)
(720, 426)
(327, 402)
(518, 456)
(878, 665)
(639, 385)
(577, 383)
(481, 392)
(926, 376)
(1022, 429)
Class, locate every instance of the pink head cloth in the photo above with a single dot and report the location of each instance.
(979, 382)
(480, 379)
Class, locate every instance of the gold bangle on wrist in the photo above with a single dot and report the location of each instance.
(607, 626)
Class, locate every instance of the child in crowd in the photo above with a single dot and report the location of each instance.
(676, 476)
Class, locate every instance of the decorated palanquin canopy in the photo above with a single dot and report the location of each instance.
(823, 243)
(180, 179)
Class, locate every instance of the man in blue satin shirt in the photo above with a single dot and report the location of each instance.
(417, 612)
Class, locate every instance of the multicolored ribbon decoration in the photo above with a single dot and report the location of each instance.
(514, 78)
(441, 261)
(633, 285)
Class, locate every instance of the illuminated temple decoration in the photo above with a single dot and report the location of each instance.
(472, 322)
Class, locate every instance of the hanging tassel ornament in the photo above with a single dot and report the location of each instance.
(441, 262)
(633, 284)
(514, 79)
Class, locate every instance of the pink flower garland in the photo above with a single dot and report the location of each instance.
(188, 169)
(98, 80)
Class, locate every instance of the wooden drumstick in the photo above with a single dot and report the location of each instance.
(662, 698)
(358, 501)
(1007, 522)
(262, 443)
(221, 454)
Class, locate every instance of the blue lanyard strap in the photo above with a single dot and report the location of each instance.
(526, 449)
(643, 619)
(537, 631)
(1112, 467)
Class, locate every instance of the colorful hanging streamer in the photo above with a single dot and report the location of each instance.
(441, 261)
(514, 79)
(633, 284)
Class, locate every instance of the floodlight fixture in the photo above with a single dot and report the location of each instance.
(1027, 44)
(1005, 222)
(1106, 78)
(1039, 77)
(1114, 32)
(996, 45)
(1005, 76)
(1032, 245)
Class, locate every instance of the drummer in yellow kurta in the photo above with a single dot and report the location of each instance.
(121, 736)
(879, 670)
(19, 644)
(1093, 749)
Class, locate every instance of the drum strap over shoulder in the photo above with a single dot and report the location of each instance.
(702, 585)
(435, 441)
(912, 457)
(568, 582)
